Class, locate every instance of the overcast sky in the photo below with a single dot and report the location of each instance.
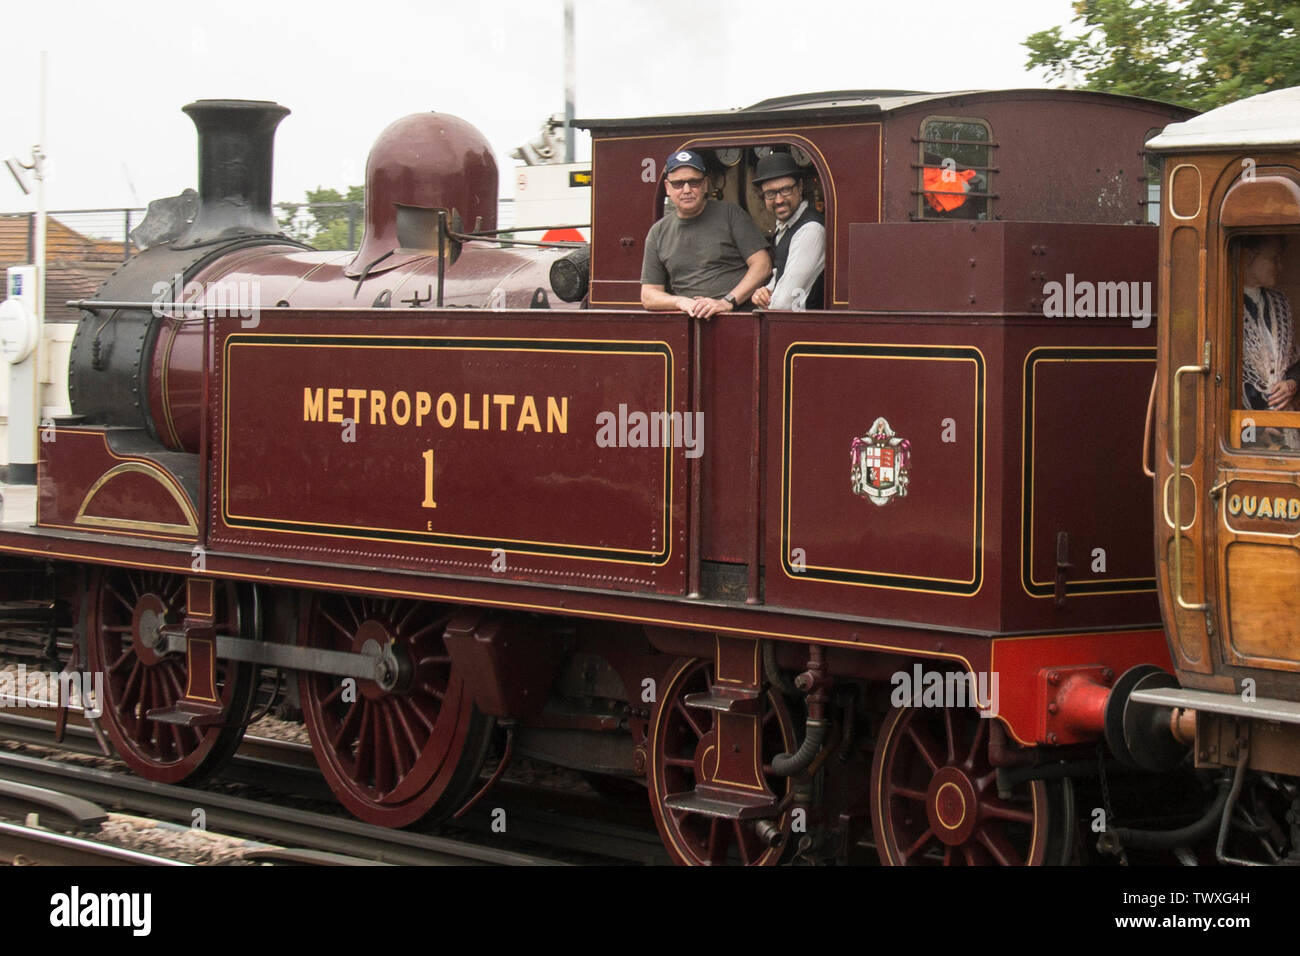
(118, 73)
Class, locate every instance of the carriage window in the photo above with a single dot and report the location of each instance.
(955, 171)
(1266, 349)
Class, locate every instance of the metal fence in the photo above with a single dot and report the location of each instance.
(103, 235)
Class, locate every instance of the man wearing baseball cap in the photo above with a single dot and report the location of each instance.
(799, 256)
(708, 257)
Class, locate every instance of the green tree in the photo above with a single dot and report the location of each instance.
(323, 220)
(1196, 53)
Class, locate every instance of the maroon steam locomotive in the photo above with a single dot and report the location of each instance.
(878, 571)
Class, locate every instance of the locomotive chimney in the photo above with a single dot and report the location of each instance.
(236, 145)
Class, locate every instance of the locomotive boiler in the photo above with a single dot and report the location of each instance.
(891, 591)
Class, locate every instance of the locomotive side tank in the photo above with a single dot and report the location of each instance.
(704, 557)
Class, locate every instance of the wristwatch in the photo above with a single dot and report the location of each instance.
(729, 299)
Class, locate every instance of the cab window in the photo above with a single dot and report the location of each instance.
(955, 169)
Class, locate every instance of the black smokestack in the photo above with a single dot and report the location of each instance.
(236, 148)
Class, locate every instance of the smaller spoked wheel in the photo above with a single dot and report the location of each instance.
(935, 797)
(127, 609)
(397, 754)
(683, 755)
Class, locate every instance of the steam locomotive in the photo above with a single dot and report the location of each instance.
(799, 642)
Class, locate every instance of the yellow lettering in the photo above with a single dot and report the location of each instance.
(357, 395)
(487, 423)
(428, 501)
(313, 404)
(335, 405)
(503, 402)
(423, 403)
(377, 402)
(448, 418)
(1234, 505)
(469, 422)
(557, 415)
(1293, 508)
(1265, 509)
(528, 415)
(1248, 503)
(401, 418)
(1279, 507)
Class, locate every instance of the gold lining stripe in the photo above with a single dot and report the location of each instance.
(166, 396)
(191, 527)
(980, 466)
(177, 489)
(670, 382)
(1029, 441)
(191, 648)
(200, 600)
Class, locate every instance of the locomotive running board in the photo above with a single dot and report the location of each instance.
(1262, 708)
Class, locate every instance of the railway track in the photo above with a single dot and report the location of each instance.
(238, 815)
(27, 846)
(583, 826)
(589, 828)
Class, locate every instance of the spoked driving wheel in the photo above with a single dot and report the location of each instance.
(683, 754)
(127, 609)
(935, 796)
(392, 755)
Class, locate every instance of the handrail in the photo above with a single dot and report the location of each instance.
(1176, 425)
(1149, 470)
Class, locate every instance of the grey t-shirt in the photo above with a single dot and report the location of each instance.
(704, 255)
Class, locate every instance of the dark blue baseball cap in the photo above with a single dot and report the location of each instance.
(685, 157)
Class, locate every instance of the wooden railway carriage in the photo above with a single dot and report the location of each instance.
(742, 562)
(1227, 474)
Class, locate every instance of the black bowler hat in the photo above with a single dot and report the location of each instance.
(774, 166)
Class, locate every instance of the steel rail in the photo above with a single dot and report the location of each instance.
(20, 843)
(82, 813)
(283, 765)
(264, 821)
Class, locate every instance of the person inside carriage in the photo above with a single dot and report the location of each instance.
(1270, 357)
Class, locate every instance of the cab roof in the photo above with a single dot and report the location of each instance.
(846, 103)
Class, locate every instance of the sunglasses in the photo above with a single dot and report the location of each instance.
(676, 184)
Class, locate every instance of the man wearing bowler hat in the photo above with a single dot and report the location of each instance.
(705, 257)
(799, 256)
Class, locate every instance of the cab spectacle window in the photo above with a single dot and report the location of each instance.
(955, 169)
(1265, 344)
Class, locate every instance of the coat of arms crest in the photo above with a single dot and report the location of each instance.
(880, 463)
